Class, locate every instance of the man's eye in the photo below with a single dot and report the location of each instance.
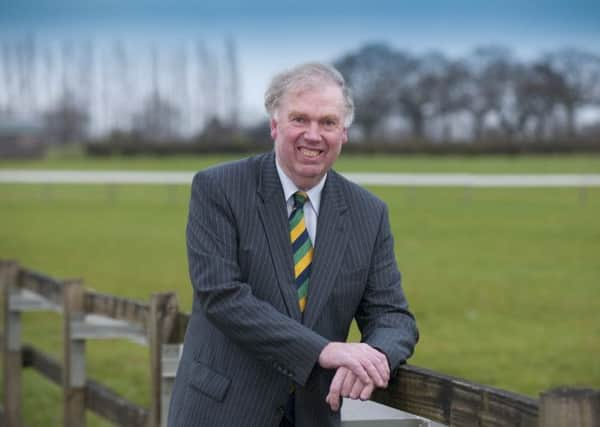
(299, 119)
(329, 124)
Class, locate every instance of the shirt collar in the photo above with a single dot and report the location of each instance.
(289, 188)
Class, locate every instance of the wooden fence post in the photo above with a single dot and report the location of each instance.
(74, 356)
(161, 322)
(570, 407)
(11, 346)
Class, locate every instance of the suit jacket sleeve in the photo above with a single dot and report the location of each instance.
(228, 302)
(383, 316)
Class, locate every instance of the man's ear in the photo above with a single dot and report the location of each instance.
(345, 135)
(273, 124)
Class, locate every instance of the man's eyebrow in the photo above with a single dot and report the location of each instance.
(332, 116)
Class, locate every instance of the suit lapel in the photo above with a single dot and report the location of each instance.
(273, 215)
(331, 241)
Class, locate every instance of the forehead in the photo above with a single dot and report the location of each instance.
(322, 99)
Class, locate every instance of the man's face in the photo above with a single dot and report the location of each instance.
(309, 132)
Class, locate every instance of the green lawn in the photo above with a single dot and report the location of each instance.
(73, 159)
(504, 282)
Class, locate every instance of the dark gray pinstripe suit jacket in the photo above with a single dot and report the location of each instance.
(247, 342)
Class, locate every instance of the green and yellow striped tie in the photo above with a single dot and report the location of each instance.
(301, 247)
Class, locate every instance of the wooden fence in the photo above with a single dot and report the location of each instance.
(161, 326)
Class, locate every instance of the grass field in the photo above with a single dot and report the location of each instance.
(504, 282)
(72, 158)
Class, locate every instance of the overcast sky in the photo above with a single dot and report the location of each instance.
(275, 34)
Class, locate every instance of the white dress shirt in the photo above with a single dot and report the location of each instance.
(311, 207)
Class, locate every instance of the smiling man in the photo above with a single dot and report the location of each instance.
(308, 125)
(283, 254)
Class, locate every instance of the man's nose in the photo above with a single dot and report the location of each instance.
(312, 132)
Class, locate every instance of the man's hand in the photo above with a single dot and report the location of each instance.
(369, 365)
(347, 384)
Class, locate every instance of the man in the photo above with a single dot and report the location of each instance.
(283, 254)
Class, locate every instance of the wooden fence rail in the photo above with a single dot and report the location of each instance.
(98, 398)
(161, 326)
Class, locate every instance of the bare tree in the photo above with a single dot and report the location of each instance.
(490, 74)
(453, 93)
(121, 86)
(539, 92)
(233, 90)
(66, 122)
(158, 119)
(209, 80)
(417, 92)
(371, 73)
(512, 116)
(7, 79)
(49, 72)
(581, 73)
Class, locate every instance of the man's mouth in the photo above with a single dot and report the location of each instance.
(310, 153)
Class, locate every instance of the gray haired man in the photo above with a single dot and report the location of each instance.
(283, 254)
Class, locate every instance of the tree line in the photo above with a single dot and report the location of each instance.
(125, 92)
(486, 95)
(81, 89)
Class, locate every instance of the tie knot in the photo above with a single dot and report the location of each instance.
(300, 197)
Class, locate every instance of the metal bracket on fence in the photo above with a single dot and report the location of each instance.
(94, 326)
(356, 413)
(26, 300)
(21, 300)
(170, 356)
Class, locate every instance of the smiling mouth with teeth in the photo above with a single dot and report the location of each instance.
(309, 153)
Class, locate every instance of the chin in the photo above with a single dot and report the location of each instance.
(311, 172)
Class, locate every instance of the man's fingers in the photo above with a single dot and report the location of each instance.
(385, 371)
(336, 354)
(357, 388)
(367, 363)
(357, 368)
(348, 384)
(366, 392)
(333, 398)
(374, 374)
(360, 369)
(379, 362)
(338, 381)
(333, 402)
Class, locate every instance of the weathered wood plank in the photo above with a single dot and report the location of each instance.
(46, 286)
(177, 333)
(168, 309)
(98, 398)
(456, 402)
(570, 407)
(116, 308)
(42, 363)
(74, 357)
(114, 408)
(11, 346)
(161, 323)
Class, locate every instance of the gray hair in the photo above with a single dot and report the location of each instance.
(309, 75)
